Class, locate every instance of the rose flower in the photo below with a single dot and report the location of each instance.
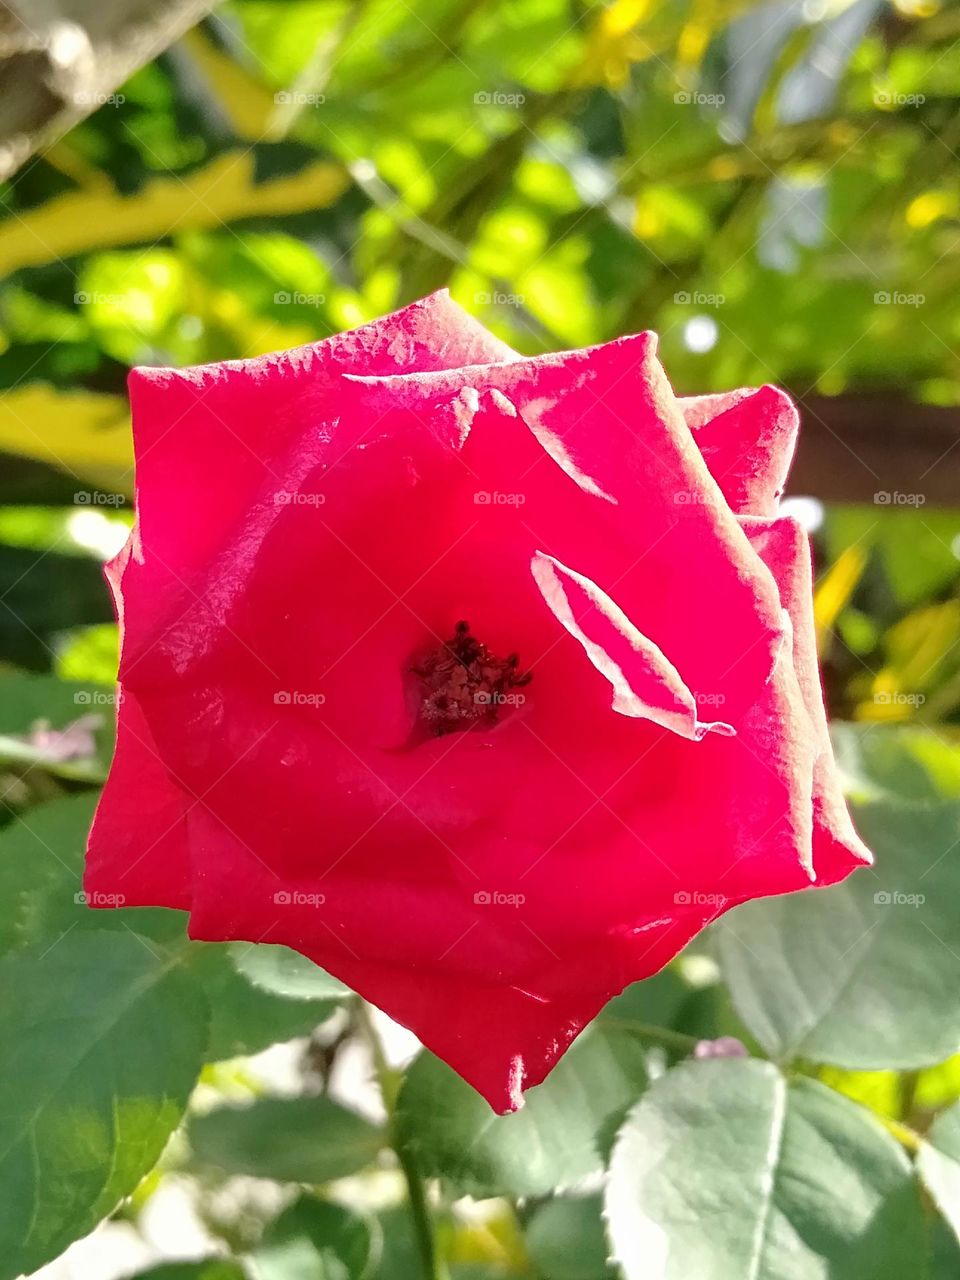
(485, 682)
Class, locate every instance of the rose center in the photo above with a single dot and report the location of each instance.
(463, 684)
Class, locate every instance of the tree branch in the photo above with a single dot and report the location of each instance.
(61, 59)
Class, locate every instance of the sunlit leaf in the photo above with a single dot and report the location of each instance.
(861, 975)
(724, 1170)
(94, 1083)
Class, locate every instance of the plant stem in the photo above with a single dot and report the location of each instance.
(433, 1268)
(907, 1137)
(909, 1082)
(430, 1261)
(662, 1035)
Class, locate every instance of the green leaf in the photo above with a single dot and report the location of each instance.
(566, 1239)
(915, 544)
(100, 1044)
(284, 972)
(400, 1254)
(656, 1001)
(909, 761)
(864, 974)
(670, 1010)
(317, 1240)
(31, 702)
(245, 1017)
(290, 1139)
(206, 1269)
(555, 1138)
(90, 655)
(938, 1087)
(938, 1164)
(41, 876)
(725, 1171)
(944, 1252)
(41, 899)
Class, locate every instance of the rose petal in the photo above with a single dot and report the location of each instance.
(501, 1038)
(138, 843)
(205, 439)
(595, 443)
(645, 683)
(747, 438)
(785, 548)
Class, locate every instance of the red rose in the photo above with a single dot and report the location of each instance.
(484, 682)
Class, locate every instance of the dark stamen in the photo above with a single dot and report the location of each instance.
(466, 684)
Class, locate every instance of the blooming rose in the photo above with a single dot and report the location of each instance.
(485, 682)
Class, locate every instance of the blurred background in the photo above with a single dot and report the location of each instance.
(774, 188)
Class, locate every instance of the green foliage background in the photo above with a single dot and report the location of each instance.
(774, 189)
